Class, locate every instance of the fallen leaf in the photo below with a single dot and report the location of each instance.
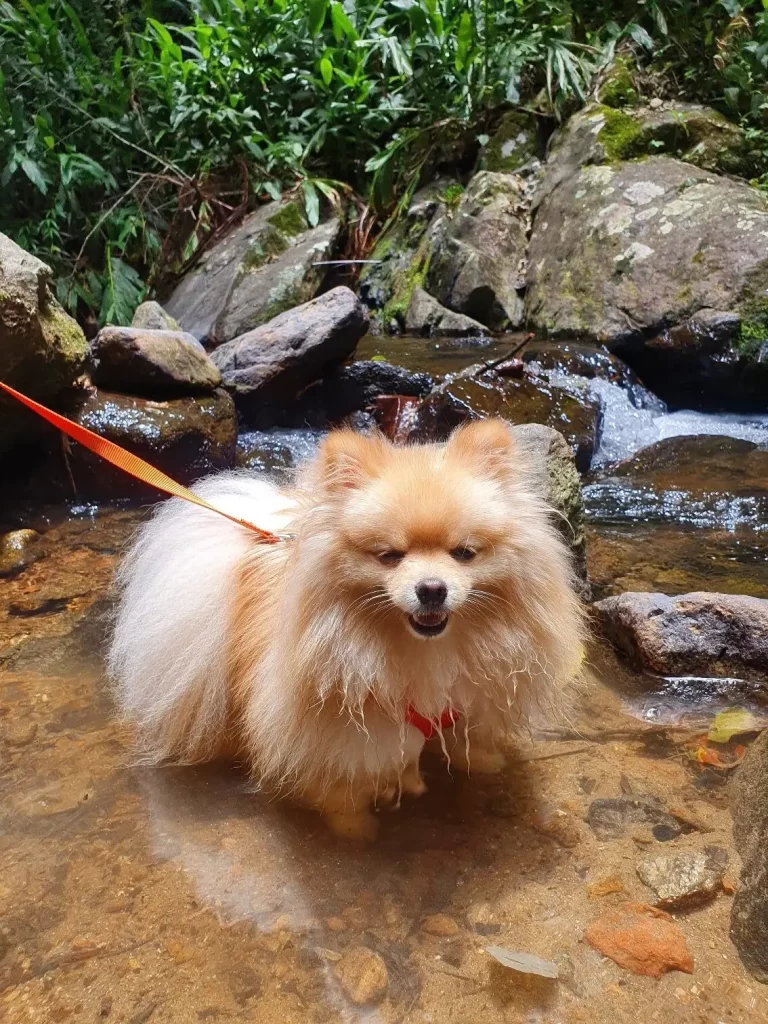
(700, 751)
(730, 723)
(526, 963)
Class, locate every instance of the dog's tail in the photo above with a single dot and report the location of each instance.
(167, 656)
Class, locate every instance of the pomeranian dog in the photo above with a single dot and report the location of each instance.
(423, 594)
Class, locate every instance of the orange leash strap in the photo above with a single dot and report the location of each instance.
(131, 464)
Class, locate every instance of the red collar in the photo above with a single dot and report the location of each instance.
(428, 726)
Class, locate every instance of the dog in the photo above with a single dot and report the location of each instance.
(424, 595)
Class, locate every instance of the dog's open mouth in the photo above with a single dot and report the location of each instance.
(428, 623)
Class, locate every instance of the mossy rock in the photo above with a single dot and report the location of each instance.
(618, 88)
(42, 349)
(513, 143)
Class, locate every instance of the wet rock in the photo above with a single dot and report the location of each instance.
(275, 452)
(513, 143)
(42, 350)
(396, 416)
(150, 316)
(749, 917)
(355, 387)
(601, 135)
(685, 877)
(152, 363)
(700, 634)
(658, 244)
(441, 925)
(18, 549)
(362, 975)
(276, 360)
(260, 269)
(574, 358)
(611, 818)
(426, 317)
(184, 437)
(641, 939)
(532, 400)
(477, 251)
(37, 604)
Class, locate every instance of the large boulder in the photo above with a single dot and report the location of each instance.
(184, 437)
(276, 360)
(513, 144)
(699, 634)
(601, 134)
(476, 263)
(42, 350)
(153, 363)
(260, 269)
(623, 254)
(749, 916)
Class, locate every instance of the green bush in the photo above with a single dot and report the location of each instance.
(131, 131)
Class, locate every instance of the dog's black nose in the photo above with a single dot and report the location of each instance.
(432, 592)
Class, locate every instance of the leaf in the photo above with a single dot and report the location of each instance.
(317, 10)
(525, 963)
(640, 36)
(733, 7)
(123, 290)
(326, 70)
(730, 723)
(311, 203)
(33, 172)
(341, 24)
(463, 41)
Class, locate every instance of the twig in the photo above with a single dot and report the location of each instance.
(551, 754)
(101, 220)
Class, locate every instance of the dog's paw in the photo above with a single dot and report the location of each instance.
(357, 825)
(413, 784)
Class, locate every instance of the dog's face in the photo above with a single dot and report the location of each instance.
(425, 533)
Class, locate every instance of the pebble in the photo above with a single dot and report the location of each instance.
(336, 924)
(440, 924)
(605, 887)
(611, 818)
(685, 876)
(363, 976)
(641, 939)
(18, 550)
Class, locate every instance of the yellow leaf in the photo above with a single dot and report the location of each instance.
(730, 723)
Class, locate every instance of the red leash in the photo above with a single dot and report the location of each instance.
(130, 463)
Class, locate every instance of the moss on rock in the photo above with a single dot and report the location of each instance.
(513, 143)
(618, 89)
(289, 219)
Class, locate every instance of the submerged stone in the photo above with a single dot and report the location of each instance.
(749, 917)
(684, 877)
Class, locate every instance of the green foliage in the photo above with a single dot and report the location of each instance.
(130, 130)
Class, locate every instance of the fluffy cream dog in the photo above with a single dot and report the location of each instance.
(421, 582)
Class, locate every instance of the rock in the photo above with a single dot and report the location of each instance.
(426, 317)
(276, 360)
(151, 363)
(150, 316)
(440, 925)
(658, 244)
(354, 387)
(610, 818)
(260, 269)
(275, 452)
(42, 350)
(617, 86)
(749, 917)
(699, 465)
(184, 437)
(685, 877)
(400, 254)
(513, 144)
(19, 734)
(641, 939)
(471, 395)
(604, 135)
(694, 634)
(18, 549)
(362, 975)
(575, 358)
(476, 262)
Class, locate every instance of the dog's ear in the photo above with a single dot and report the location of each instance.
(486, 445)
(346, 460)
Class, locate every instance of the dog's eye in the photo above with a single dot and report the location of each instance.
(390, 557)
(463, 554)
